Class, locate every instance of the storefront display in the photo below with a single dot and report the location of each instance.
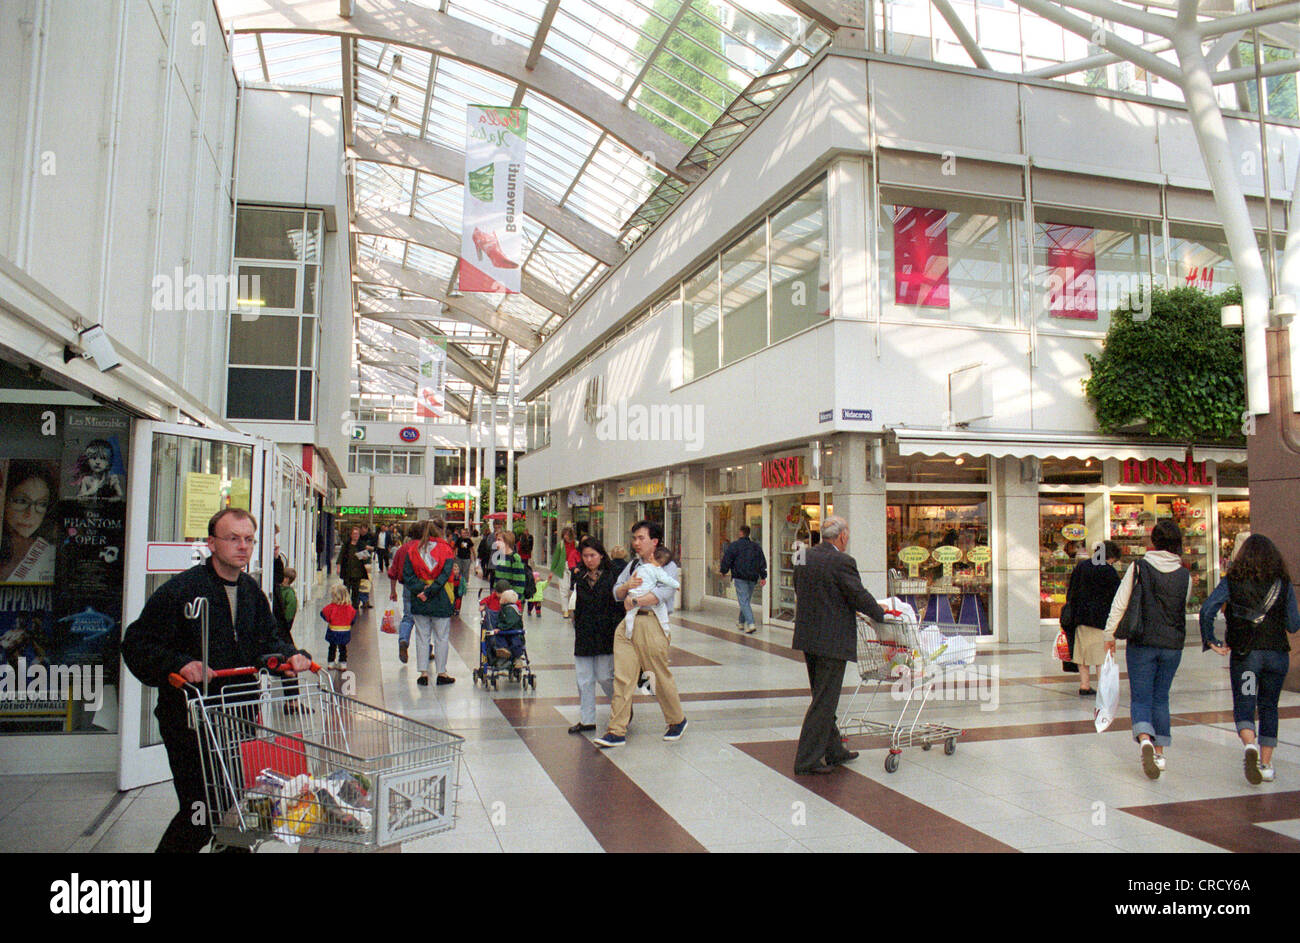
(1234, 528)
(796, 525)
(1061, 537)
(63, 488)
(939, 557)
(1134, 515)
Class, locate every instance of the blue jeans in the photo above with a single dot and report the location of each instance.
(1150, 675)
(744, 591)
(408, 618)
(1256, 685)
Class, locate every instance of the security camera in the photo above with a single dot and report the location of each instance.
(96, 343)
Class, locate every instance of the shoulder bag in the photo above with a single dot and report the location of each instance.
(1130, 627)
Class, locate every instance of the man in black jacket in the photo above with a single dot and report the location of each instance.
(167, 640)
(828, 591)
(744, 559)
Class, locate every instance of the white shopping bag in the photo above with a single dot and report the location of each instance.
(1107, 693)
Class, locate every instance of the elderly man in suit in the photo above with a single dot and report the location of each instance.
(828, 591)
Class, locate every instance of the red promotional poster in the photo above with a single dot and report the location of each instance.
(921, 257)
(1071, 271)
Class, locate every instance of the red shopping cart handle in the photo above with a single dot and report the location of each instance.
(273, 663)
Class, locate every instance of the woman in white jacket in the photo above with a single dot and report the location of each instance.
(1156, 639)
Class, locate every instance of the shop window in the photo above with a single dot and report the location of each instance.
(744, 296)
(1086, 266)
(1234, 528)
(938, 555)
(734, 479)
(1132, 517)
(1062, 537)
(700, 324)
(1071, 471)
(925, 469)
(725, 519)
(261, 394)
(1231, 475)
(800, 268)
(447, 467)
(947, 257)
(796, 523)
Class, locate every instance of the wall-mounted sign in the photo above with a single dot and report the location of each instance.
(913, 557)
(1169, 471)
(641, 489)
(456, 504)
(359, 433)
(409, 434)
(362, 509)
(856, 415)
(784, 472)
(826, 415)
(1074, 532)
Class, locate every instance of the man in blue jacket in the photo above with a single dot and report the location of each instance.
(166, 640)
(744, 559)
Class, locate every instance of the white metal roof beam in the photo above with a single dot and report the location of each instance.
(455, 402)
(832, 14)
(963, 34)
(1124, 14)
(375, 222)
(539, 40)
(1108, 40)
(406, 24)
(464, 308)
(459, 362)
(403, 150)
(1281, 13)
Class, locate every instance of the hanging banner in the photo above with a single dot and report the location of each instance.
(492, 236)
(1071, 272)
(921, 257)
(430, 395)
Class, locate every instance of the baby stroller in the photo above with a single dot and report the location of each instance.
(492, 665)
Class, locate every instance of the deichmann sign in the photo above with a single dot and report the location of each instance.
(1163, 472)
(366, 510)
(784, 472)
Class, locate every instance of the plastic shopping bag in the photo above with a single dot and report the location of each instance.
(1062, 651)
(389, 624)
(1107, 693)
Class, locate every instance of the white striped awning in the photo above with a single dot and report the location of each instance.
(1037, 445)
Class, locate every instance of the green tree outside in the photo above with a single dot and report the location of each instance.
(685, 113)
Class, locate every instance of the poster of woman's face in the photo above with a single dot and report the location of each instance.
(27, 535)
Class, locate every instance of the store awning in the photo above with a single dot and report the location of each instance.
(1035, 445)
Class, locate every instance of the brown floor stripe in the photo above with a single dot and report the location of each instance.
(621, 816)
(1229, 822)
(901, 818)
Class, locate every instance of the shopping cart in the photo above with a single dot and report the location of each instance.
(309, 766)
(908, 660)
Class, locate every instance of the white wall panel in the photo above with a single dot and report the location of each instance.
(274, 131)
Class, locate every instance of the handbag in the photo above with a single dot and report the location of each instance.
(1131, 625)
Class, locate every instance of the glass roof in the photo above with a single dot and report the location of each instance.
(700, 71)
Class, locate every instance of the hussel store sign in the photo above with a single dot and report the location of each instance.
(1168, 471)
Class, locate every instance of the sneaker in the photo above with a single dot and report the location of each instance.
(1266, 773)
(1160, 762)
(1251, 762)
(751, 629)
(675, 731)
(609, 740)
(401, 650)
(1149, 765)
(343, 666)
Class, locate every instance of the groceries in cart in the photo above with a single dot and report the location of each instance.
(296, 807)
(932, 648)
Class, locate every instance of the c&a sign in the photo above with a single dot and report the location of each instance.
(784, 472)
(1169, 471)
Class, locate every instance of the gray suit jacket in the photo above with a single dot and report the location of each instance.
(828, 593)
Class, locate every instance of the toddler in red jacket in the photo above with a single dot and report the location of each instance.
(339, 618)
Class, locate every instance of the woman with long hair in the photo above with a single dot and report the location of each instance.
(1259, 606)
(596, 616)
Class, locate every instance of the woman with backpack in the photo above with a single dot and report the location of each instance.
(1093, 583)
(1259, 606)
(1151, 604)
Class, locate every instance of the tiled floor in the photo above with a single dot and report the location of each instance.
(1030, 774)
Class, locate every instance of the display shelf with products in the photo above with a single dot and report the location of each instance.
(1234, 527)
(957, 591)
(1133, 517)
(1061, 534)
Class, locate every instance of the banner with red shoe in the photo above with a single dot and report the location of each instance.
(430, 393)
(492, 237)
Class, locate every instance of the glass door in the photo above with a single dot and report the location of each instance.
(180, 476)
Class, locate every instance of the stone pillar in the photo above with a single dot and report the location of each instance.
(860, 500)
(694, 546)
(1016, 605)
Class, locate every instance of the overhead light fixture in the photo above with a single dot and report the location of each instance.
(1230, 316)
(961, 460)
